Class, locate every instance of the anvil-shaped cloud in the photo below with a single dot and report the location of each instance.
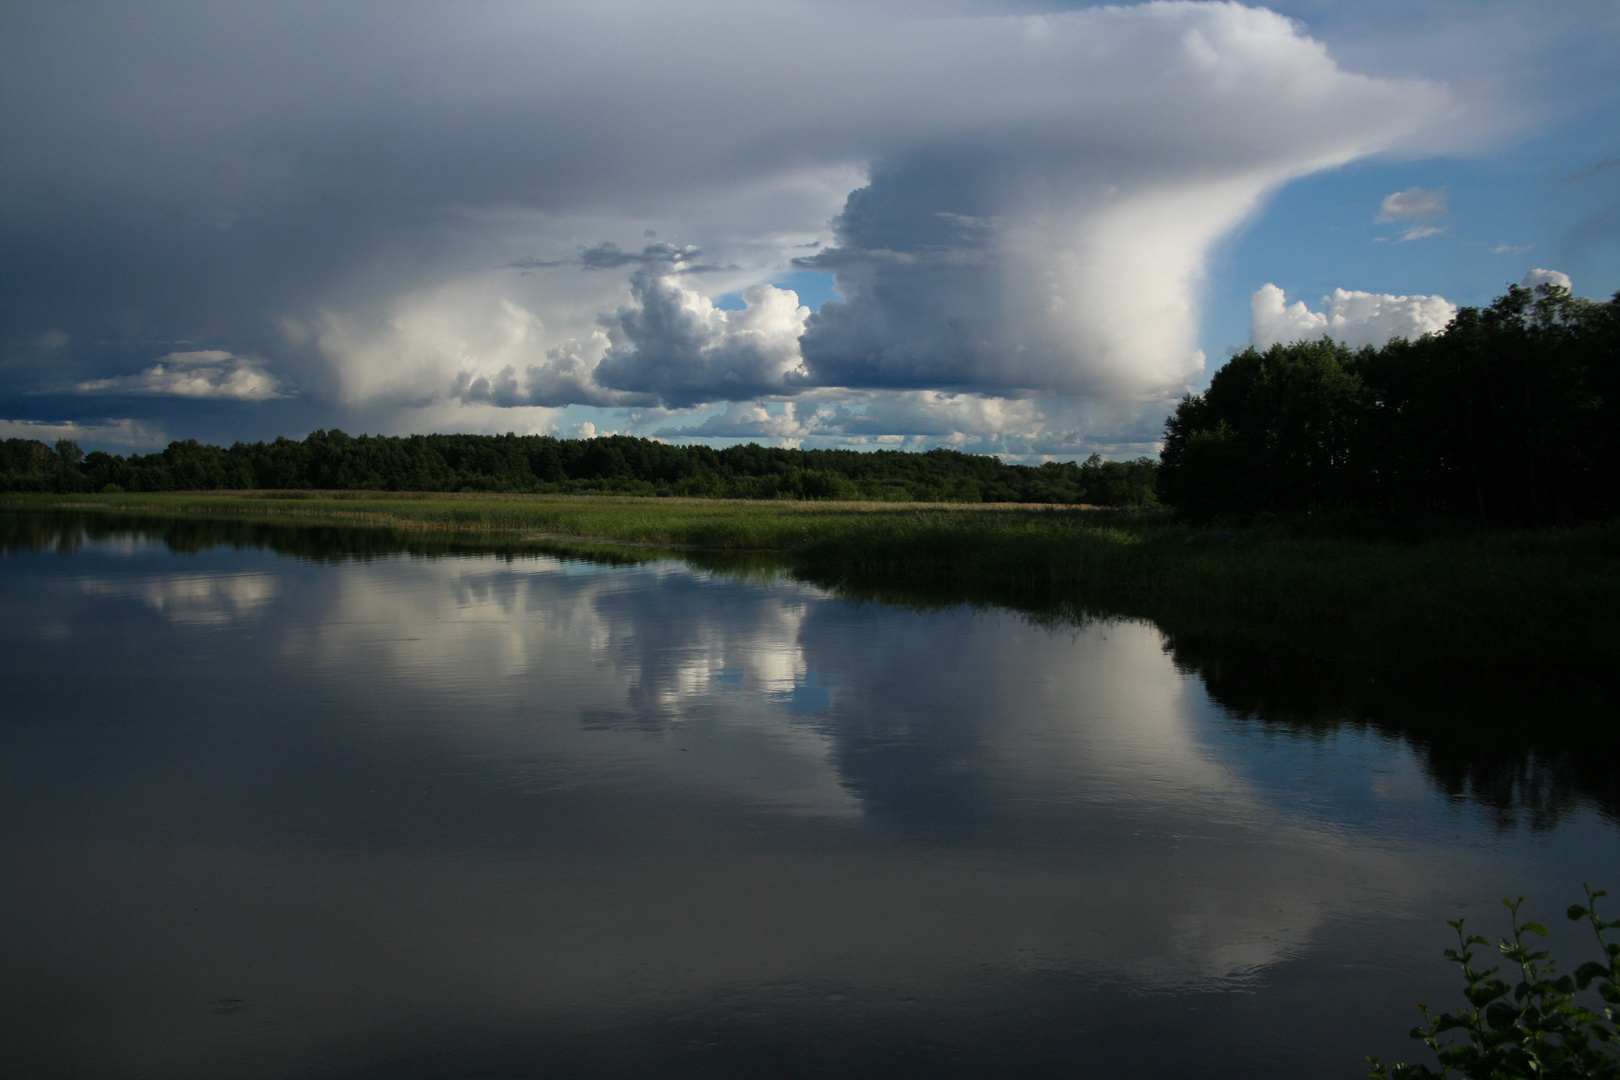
(411, 206)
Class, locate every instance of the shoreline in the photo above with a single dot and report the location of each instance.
(1548, 599)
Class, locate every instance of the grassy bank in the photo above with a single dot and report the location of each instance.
(1541, 599)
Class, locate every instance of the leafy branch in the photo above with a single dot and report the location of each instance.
(1533, 1029)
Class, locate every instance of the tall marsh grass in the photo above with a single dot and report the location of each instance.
(1537, 598)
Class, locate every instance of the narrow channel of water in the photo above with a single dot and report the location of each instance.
(345, 810)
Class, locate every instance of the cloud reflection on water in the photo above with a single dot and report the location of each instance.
(640, 653)
(1063, 773)
(214, 600)
(497, 792)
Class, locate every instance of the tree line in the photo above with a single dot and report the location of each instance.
(1509, 417)
(541, 463)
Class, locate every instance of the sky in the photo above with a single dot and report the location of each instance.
(1004, 226)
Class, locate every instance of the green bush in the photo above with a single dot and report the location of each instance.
(1536, 1028)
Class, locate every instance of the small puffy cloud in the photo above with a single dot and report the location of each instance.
(205, 373)
(1413, 204)
(1351, 318)
(1545, 277)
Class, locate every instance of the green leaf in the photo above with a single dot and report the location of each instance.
(1589, 971)
(1501, 1015)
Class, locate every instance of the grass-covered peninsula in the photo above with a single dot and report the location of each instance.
(1546, 600)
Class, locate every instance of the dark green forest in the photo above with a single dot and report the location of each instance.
(542, 464)
(1510, 417)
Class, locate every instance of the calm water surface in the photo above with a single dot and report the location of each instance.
(480, 816)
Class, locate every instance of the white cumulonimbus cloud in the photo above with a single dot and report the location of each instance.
(1350, 318)
(204, 373)
(1046, 240)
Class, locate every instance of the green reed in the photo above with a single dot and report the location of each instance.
(1537, 598)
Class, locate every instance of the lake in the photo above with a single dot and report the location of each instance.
(324, 804)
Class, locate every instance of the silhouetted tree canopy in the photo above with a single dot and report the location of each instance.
(1510, 416)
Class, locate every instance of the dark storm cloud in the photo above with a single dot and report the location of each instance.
(915, 265)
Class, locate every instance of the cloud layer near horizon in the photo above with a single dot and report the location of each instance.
(204, 373)
(409, 210)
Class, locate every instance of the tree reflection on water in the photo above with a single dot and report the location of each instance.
(1528, 745)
